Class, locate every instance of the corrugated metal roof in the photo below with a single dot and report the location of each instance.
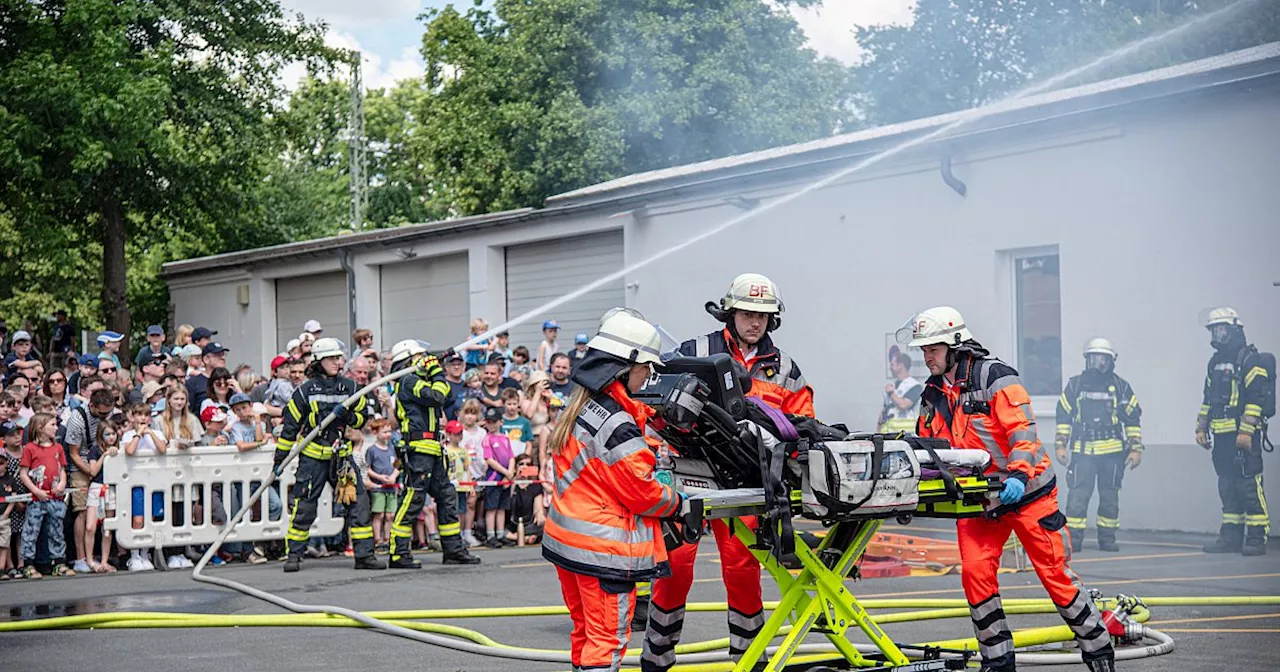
(677, 174)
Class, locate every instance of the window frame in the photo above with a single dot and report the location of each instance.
(1045, 406)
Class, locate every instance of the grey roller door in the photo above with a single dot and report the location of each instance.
(321, 297)
(426, 299)
(540, 272)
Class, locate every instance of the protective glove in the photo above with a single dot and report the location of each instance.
(1013, 491)
(346, 490)
(1202, 439)
(429, 367)
(1063, 458)
(1244, 441)
(342, 415)
(1134, 458)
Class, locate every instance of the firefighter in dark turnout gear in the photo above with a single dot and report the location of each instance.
(421, 397)
(328, 458)
(1099, 434)
(1236, 390)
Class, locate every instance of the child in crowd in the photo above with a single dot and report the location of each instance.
(526, 505)
(517, 427)
(550, 330)
(502, 346)
(519, 357)
(459, 462)
(382, 473)
(472, 441)
(11, 437)
(500, 461)
(101, 502)
(474, 385)
(476, 354)
(247, 433)
(141, 440)
(7, 490)
(44, 473)
(215, 427)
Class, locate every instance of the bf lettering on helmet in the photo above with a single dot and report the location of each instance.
(758, 291)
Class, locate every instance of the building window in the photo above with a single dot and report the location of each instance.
(1038, 322)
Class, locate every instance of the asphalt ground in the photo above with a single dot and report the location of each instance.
(1149, 565)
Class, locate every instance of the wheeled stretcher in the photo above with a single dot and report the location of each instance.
(850, 482)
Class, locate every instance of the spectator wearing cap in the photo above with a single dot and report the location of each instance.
(293, 349)
(214, 420)
(477, 353)
(152, 365)
(275, 394)
(212, 356)
(155, 345)
(313, 327)
(109, 346)
(579, 349)
(202, 336)
(64, 339)
(547, 348)
(151, 393)
(20, 360)
(453, 369)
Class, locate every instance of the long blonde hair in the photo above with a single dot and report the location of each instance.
(568, 418)
(183, 336)
(183, 430)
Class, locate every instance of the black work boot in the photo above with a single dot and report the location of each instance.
(1230, 539)
(1107, 541)
(404, 562)
(1104, 664)
(460, 556)
(1255, 542)
(370, 562)
(292, 564)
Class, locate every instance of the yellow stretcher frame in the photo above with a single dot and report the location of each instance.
(817, 596)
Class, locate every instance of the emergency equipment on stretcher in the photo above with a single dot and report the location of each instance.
(744, 462)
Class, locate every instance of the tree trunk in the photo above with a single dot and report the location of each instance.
(114, 306)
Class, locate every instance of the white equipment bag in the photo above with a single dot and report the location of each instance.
(840, 482)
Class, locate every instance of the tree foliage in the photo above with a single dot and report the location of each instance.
(958, 54)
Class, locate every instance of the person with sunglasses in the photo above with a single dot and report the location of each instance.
(55, 387)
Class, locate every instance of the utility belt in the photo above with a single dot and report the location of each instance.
(421, 442)
(322, 451)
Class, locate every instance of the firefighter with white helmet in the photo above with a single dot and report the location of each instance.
(751, 311)
(603, 531)
(421, 398)
(1239, 397)
(1099, 434)
(327, 459)
(976, 401)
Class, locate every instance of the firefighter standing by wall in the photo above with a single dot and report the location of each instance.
(1237, 389)
(976, 401)
(1099, 427)
(328, 458)
(751, 311)
(603, 531)
(421, 397)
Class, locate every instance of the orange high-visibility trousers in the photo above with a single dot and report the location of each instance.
(601, 613)
(1041, 528)
(741, 574)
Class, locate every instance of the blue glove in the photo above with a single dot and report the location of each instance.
(341, 414)
(1013, 491)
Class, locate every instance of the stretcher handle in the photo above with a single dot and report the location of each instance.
(694, 516)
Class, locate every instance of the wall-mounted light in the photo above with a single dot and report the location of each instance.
(242, 295)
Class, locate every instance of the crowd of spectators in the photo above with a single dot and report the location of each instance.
(64, 414)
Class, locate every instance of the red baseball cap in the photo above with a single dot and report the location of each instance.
(213, 414)
(453, 427)
(278, 362)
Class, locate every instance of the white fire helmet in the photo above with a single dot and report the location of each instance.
(1099, 346)
(406, 349)
(1222, 315)
(753, 293)
(325, 348)
(614, 311)
(943, 324)
(628, 337)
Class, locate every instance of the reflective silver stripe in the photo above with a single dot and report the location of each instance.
(1002, 382)
(667, 501)
(327, 398)
(575, 469)
(665, 618)
(998, 626)
(743, 630)
(989, 442)
(625, 341)
(1023, 435)
(1024, 455)
(623, 632)
(796, 384)
(985, 609)
(640, 536)
(1091, 635)
(993, 652)
(604, 430)
(1101, 396)
(623, 450)
(594, 559)
(701, 346)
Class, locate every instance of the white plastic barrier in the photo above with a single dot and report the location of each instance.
(186, 484)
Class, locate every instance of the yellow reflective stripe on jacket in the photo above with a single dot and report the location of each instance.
(293, 410)
(1099, 447)
(426, 446)
(1222, 425)
(1066, 405)
(1254, 373)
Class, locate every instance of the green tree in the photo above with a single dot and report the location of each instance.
(136, 125)
(536, 97)
(958, 54)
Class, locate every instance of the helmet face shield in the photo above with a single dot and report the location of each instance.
(1220, 333)
(1096, 361)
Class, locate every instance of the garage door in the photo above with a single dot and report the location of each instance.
(321, 297)
(540, 272)
(426, 299)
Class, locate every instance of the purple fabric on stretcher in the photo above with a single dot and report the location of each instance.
(786, 430)
(930, 473)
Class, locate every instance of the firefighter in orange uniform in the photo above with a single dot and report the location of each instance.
(603, 531)
(751, 311)
(976, 401)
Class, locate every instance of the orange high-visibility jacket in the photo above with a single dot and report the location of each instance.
(606, 508)
(999, 420)
(776, 378)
